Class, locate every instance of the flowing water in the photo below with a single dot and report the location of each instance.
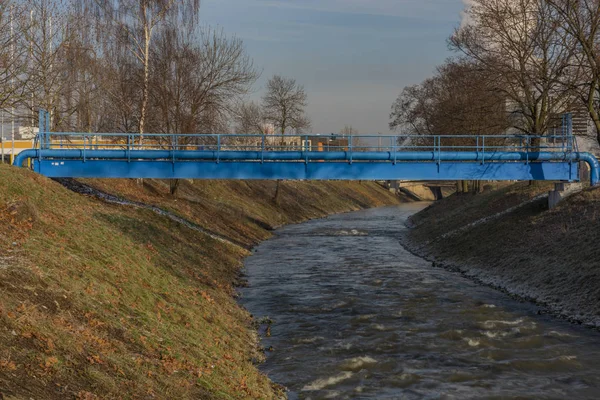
(357, 316)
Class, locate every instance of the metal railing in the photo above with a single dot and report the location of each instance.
(222, 143)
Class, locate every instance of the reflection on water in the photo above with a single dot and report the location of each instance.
(357, 316)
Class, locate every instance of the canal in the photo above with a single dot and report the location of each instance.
(354, 315)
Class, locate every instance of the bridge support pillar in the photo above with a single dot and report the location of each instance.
(561, 191)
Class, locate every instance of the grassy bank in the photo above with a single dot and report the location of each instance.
(550, 257)
(111, 301)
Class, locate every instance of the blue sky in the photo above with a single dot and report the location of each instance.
(352, 56)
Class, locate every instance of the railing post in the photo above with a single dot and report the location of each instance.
(306, 149)
(262, 151)
(41, 140)
(47, 130)
(520, 148)
(483, 151)
(439, 150)
(173, 144)
(350, 149)
(218, 148)
(570, 137)
(41, 128)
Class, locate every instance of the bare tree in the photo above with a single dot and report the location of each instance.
(47, 35)
(579, 23)
(119, 83)
(413, 110)
(133, 23)
(459, 99)
(348, 130)
(517, 41)
(284, 105)
(224, 73)
(351, 134)
(197, 79)
(12, 53)
(83, 70)
(250, 119)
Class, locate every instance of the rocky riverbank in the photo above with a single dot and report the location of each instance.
(507, 238)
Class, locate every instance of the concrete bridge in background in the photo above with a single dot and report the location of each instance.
(422, 190)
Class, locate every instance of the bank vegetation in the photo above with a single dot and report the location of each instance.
(107, 301)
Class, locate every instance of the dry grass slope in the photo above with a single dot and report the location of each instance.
(107, 301)
(551, 257)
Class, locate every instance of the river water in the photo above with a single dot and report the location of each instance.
(357, 316)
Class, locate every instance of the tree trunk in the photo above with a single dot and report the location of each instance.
(476, 187)
(593, 112)
(173, 186)
(277, 190)
(278, 186)
(596, 120)
(146, 86)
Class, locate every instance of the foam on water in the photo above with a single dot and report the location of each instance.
(308, 340)
(365, 317)
(567, 358)
(357, 363)
(495, 334)
(500, 323)
(379, 327)
(321, 384)
(559, 334)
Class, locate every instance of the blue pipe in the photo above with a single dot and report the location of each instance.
(24, 155)
(289, 155)
(593, 164)
(313, 156)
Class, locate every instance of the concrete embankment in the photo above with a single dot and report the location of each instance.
(507, 238)
(105, 300)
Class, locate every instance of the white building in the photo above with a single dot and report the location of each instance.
(27, 132)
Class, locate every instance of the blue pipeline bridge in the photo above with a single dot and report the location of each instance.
(312, 157)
